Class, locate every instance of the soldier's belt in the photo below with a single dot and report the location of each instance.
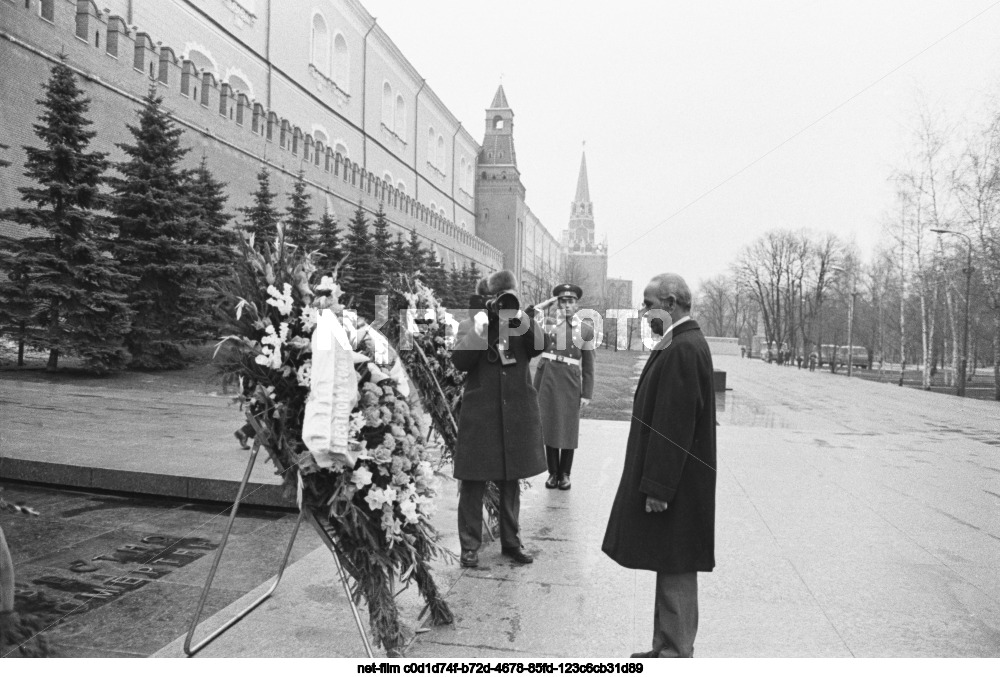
(561, 358)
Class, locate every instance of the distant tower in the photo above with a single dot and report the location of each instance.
(581, 212)
(499, 192)
(586, 259)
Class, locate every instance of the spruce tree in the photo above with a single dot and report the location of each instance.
(399, 255)
(61, 288)
(435, 275)
(15, 310)
(456, 287)
(213, 246)
(151, 211)
(329, 242)
(416, 257)
(261, 219)
(360, 271)
(299, 226)
(381, 241)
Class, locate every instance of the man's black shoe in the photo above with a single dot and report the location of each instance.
(518, 555)
(552, 482)
(564, 482)
(652, 653)
(469, 559)
(242, 438)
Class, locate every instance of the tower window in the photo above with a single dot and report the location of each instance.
(498, 122)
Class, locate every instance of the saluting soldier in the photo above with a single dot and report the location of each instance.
(565, 384)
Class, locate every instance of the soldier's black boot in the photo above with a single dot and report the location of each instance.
(565, 465)
(552, 460)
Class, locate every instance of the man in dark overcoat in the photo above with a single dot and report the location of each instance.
(499, 430)
(663, 518)
(564, 379)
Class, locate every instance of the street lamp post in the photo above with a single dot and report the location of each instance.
(850, 330)
(964, 365)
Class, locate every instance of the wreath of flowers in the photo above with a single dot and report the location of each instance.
(375, 498)
(20, 634)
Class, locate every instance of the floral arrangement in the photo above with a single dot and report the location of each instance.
(20, 635)
(339, 424)
(425, 348)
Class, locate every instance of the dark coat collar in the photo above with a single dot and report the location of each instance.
(689, 325)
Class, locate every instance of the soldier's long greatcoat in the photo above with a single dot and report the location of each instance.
(499, 430)
(671, 457)
(560, 385)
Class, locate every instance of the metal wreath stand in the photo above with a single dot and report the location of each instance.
(190, 650)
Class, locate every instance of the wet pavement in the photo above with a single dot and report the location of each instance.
(854, 519)
(120, 575)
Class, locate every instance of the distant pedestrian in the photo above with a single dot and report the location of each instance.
(743, 351)
(663, 517)
(564, 380)
(813, 358)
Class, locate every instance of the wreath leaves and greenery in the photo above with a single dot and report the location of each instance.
(375, 500)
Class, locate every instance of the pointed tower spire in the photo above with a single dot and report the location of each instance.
(582, 186)
(499, 99)
(581, 212)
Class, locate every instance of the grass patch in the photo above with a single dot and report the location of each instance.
(614, 384)
(199, 376)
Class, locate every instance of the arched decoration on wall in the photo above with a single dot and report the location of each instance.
(201, 57)
(322, 139)
(319, 46)
(341, 63)
(239, 81)
(431, 140)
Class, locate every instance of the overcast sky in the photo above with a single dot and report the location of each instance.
(679, 99)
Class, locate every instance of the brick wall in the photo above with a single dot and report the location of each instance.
(115, 84)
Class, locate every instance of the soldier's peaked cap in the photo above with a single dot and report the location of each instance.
(568, 290)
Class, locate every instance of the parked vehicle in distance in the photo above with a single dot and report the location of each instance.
(859, 356)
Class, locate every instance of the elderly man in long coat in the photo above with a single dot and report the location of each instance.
(663, 518)
(499, 429)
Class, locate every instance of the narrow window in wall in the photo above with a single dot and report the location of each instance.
(387, 112)
(399, 126)
(320, 44)
(341, 63)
